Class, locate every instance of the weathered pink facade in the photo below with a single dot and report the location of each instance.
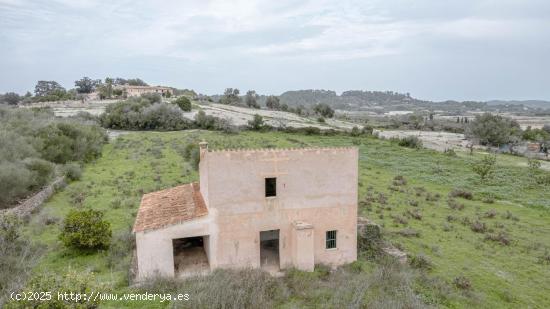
(316, 192)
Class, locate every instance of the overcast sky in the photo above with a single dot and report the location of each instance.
(434, 49)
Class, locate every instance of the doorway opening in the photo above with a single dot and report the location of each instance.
(269, 250)
(190, 256)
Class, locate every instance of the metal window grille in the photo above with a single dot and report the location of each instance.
(331, 239)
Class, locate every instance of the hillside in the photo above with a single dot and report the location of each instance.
(384, 101)
(504, 263)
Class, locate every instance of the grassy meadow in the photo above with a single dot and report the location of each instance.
(497, 239)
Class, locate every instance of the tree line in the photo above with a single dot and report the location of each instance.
(251, 99)
(50, 90)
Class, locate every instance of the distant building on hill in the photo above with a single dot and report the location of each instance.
(136, 91)
(260, 208)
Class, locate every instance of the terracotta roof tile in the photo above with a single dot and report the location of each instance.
(171, 206)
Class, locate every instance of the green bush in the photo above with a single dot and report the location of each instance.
(410, 141)
(493, 129)
(63, 142)
(420, 261)
(355, 131)
(184, 103)
(86, 230)
(18, 255)
(15, 181)
(369, 240)
(485, 167)
(32, 140)
(144, 113)
(72, 171)
(78, 283)
(257, 123)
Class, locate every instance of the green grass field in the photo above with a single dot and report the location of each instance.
(502, 276)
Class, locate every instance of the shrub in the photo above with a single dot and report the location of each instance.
(311, 130)
(399, 220)
(432, 197)
(72, 171)
(420, 261)
(416, 214)
(355, 131)
(31, 140)
(152, 98)
(369, 240)
(144, 114)
(462, 283)
(120, 250)
(543, 179)
(163, 117)
(16, 181)
(77, 283)
(399, 181)
(257, 123)
(18, 255)
(544, 258)
(491, 213)
(454, 204)
(478, 227)
(223, 288)
(409, 233)
(323, 110)
(488, 199)
(500, 237)
(510, 216)
(207, 122)
(184, 103)
(461, 193)
(410, 142)
(485, 167)
(451, 218)
(86, 230)
(450, 152)
(65, 142)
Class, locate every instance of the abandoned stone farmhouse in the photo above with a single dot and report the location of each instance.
(134, 91)
(266, 208)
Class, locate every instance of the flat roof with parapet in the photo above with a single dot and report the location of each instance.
(168, 207)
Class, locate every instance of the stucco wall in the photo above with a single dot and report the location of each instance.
(317, 186)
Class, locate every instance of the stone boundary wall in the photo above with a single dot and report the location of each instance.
(34, 202)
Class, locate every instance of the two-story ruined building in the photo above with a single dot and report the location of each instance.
(269, 208)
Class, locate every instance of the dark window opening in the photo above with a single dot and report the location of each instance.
(331, 240)
(270, 187)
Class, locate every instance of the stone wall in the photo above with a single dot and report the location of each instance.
(34, 202)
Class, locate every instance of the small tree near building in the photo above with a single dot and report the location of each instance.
(44, 88)
(86, 85)
(86, 230)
